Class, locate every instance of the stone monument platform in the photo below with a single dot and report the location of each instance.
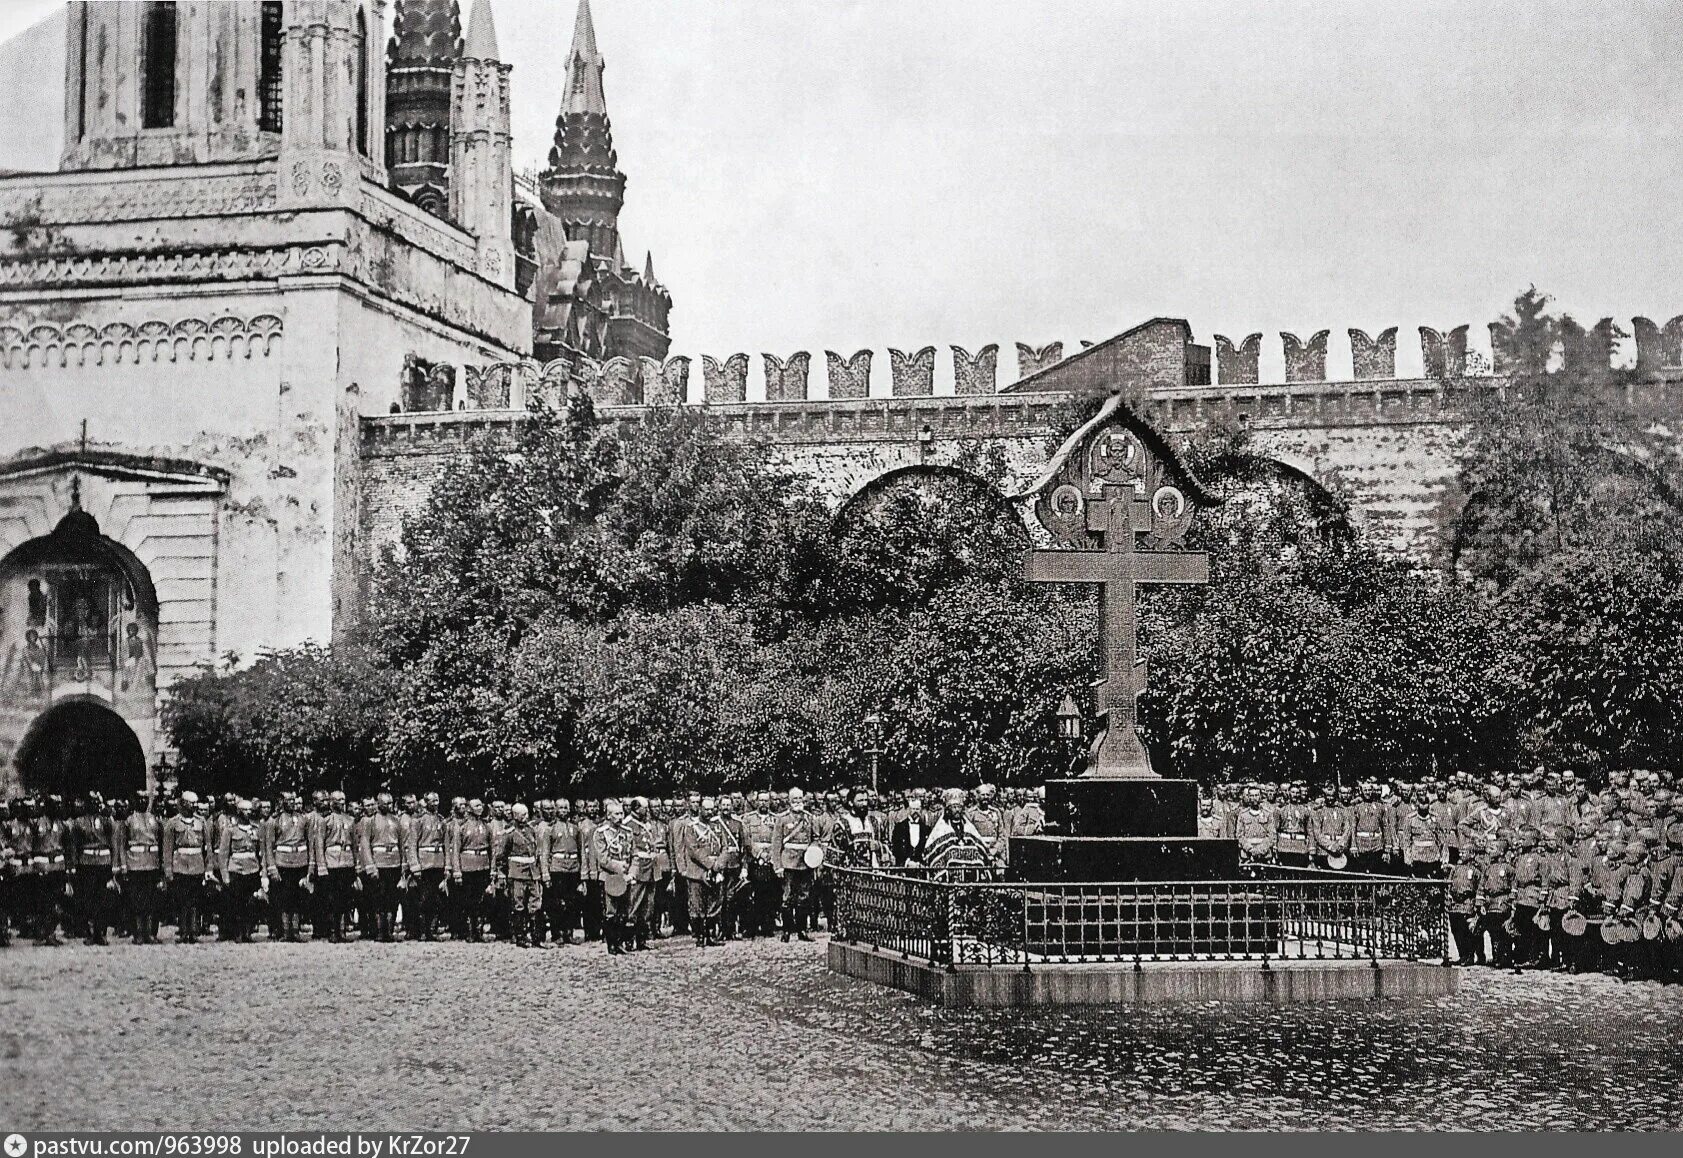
(1150, 983)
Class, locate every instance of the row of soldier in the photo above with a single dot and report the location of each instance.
(622, 871)
(1543, 871)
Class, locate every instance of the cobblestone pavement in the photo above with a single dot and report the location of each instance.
(762, 1036)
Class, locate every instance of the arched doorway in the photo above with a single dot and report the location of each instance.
(81, 746)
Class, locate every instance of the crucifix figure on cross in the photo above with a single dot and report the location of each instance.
(1114, 481)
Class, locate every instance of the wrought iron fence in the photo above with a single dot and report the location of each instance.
(980, 922)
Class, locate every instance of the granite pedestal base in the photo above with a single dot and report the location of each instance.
(1123, 858)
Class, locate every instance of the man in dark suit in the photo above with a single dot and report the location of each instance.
(906, 841)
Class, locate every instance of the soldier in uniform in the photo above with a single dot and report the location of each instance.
(1552, 811)
(1495, 902)
(1530, 896)
(286, 859)
(1028, 819)
(137, 860)
(1465, 880)
(1333, 826)
(333, 861)
(590, 915)
(565, 889)
(468, 858)
(425, 910)
(1373, 839)
(186, 859)
(1256, 829)
(495, 903)
(645, 873)
(380, 857)
(1446, 820)
(990, 822)
(1292, 843)
(238, 864)
(49, 864)
(824, 808)
(520, 865)
(793, 833)
(1210, 823)
(699, 855)
(92, 839)
(764, 888)
(666, 903)
(9, 861)
(613, 845)
(734, 842)
(1421, 840)
(1558, 894)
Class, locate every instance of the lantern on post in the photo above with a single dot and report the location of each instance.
(1069, 720)
(873, 736)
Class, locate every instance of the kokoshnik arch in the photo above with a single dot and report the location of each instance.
(285, 269)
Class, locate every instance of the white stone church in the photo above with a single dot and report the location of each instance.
(241, 248)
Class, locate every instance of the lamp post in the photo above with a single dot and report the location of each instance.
(1069, 721)
(873, 733)
(163, 773)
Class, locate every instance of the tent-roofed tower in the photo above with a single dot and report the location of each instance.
(583, 185)
(584, 189)
(426, 42)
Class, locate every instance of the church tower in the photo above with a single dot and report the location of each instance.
(203, 308)
(425, 46)
(619, 312)
(481, 172)
(583, 185)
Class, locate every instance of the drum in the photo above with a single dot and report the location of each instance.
(614, 884)
(1572, 923)
(1652, 927)
(1541, 920)
(1610, 931)
(1673, 929)
(813, 857)
(1337, 861)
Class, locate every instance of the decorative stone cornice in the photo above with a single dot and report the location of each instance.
(186, 340)
(72, 198)
(233, 264)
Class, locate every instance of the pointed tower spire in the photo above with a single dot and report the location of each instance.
(584, 93)
(583, 185)
(648, 267)
(481, 168)
(481, 41)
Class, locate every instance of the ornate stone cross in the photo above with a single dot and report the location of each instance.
(1114, 481)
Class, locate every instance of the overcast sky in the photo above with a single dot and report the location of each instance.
(876, 172)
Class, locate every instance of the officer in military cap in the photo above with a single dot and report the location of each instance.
(92, 837)
(520, 866)
(794, 832)
(565, 891)
(238, 864)
(1465, 879)
(186, 859)
(9, 862)
(1495, 902)
(764, 888)
(614, 855)
(138, 864)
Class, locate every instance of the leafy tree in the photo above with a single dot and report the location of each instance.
(293, 719)
(1560, 461)
(1596, 671)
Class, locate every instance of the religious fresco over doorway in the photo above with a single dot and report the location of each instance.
(77, 617)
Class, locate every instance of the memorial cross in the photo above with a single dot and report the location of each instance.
(1118, 566)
